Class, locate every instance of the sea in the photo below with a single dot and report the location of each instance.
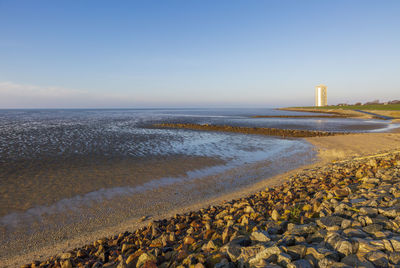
(64, 172)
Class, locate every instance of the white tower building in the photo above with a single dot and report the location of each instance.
(321, 95)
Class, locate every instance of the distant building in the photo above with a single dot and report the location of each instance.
(321, 95)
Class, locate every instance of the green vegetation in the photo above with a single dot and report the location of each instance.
(382, 107)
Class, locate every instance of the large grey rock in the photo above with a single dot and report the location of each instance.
(301, 229)
(378, 244)
(344, 247)
(378, 258)
(364, 246)
(391, 212)
(297, 251)
(269, 254)
(346, 224)
(357, 261)
(234, 247)
(372, 228)
(316, 253)
(332, 238)
(353, 232)
(372, 212)
(300, 264)
(284, 259)
(251, 252)
(329, 263)
(317, 236)
(356, 201)
(329, 221)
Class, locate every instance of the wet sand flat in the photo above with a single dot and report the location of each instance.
(29, 183)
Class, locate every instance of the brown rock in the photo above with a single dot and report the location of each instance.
(189, 240)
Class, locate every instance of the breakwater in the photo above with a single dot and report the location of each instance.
(252, 130)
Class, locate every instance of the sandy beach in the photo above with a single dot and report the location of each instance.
(332, 148)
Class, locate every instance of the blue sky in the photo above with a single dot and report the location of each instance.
(197, 53)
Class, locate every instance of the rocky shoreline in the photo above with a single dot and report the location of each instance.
(295, 133)
(344, 214)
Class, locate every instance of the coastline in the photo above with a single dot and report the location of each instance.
(332, 148)
(394, 116)
(336, 112)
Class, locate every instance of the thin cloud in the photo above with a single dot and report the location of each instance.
(15, 95)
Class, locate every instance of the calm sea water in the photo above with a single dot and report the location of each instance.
(28, 134)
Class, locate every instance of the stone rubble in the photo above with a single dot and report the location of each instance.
(345, 214)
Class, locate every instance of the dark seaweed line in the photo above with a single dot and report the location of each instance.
(252, 130)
